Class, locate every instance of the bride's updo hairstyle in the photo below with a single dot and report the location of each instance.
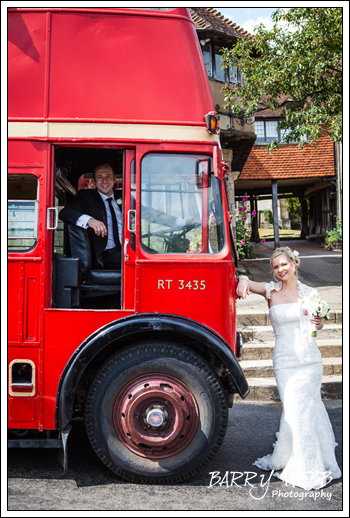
(290, 255)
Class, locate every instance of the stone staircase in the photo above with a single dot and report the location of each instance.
(258, 343)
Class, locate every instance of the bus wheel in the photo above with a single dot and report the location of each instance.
(156, 413)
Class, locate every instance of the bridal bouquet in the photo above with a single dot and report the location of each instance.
(313, 306)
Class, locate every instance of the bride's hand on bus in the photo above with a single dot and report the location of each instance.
(98, 227)
(243, 287)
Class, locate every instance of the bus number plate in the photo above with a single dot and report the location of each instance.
(166, 284)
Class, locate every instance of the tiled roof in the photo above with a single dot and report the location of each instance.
(270, 113)
(290, 162)
(207, 18)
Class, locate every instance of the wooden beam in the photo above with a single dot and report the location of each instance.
(265, 192)
(303, 218)
(328, 213)
(254, 220)
(236, 160)
(275, 213)
(281, 196)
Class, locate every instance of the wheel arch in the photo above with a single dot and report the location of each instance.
(120, 333)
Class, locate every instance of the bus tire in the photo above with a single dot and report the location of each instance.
(156, 413)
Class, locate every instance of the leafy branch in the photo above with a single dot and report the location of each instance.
(294, 70)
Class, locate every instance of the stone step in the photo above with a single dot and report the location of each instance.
(261, 318)
(265, 389)
(266, 334)
(264, 368)
(264, 350)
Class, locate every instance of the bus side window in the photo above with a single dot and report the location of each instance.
(22, 206)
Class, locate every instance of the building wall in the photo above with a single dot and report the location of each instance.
(231, 177)
(226, 122)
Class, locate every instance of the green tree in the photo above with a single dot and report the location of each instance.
(293, 206)
(268, 215)
(295, 67)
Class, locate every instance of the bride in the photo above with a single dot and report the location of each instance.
(303, 454)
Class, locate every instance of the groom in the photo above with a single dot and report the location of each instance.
(97, 211)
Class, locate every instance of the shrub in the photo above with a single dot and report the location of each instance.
(268, 216)
(244, 248)
(293, 207)
(335, 235)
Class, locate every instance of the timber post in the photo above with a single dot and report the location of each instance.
(275, 213)
(303, 218)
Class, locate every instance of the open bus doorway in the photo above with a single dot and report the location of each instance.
(75, 282)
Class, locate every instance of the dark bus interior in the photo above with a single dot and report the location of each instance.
(75, 284)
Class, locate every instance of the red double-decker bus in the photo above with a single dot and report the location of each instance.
(147, 354)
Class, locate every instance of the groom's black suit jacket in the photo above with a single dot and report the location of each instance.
(88, 201)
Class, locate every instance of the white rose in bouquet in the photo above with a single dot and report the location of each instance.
(323, 309)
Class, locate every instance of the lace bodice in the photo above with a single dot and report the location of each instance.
(304, 290)
(285, 319)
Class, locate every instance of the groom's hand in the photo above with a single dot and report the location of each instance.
(98, 227)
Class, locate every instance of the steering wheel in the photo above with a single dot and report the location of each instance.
(182, 231)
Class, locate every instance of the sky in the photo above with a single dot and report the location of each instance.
(248, 17)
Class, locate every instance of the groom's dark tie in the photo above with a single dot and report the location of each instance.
(115, 224)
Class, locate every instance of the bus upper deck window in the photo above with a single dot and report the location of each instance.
(22, 209)
(181, 205)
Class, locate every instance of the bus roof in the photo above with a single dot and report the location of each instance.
(107, 64)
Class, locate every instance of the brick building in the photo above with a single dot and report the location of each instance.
(237, 136)
(313, 175)
(308, 175)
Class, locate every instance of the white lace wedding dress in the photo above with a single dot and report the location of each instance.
(304, 449)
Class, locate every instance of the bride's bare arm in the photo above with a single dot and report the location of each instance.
(246, 286)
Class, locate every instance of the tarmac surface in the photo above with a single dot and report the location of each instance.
(37, 482)
(319, 268)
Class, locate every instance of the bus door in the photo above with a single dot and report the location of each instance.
(26, 271)
(183, 250)
(129, 224)
(77, 282)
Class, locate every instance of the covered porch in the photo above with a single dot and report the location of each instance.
(317, 198)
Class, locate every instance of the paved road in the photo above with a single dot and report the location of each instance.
(37, 481)
(319, 268)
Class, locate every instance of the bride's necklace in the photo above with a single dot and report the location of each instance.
(286, 293)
